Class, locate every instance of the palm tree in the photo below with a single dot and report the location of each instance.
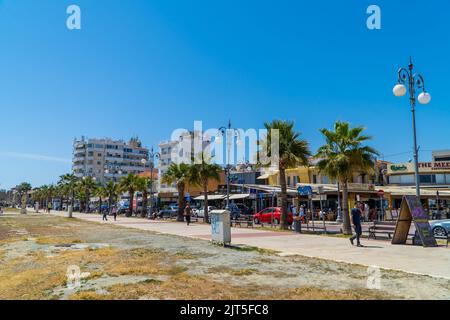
(143, 185)
(341, 156)
(292, 152)
(128, 184)
(67, 183)
(180, 174)
(87, 186)
(201, 174)
(23, 190)
(111, 190)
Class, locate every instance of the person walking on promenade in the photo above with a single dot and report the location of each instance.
(114, 211)
(356, 219)
(188, 213)
(49, 206)
(105, 215)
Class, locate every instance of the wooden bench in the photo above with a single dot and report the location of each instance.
(248, 222)
(318, 225)
(382, 227)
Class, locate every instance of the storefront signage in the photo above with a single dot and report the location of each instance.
(442, 165)
(396, 167)
(424, 167)
(304, 191)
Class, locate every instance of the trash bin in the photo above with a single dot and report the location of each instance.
(297, 225)
(220, 227)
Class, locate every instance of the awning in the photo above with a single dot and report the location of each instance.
(239, 196)
(210, 197)
(263, 177)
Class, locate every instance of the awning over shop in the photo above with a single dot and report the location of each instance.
(263, 177)
(239, 196)
(211, 197)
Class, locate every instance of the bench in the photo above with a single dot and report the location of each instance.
(318, 225)
(381, 227)
(248, 222)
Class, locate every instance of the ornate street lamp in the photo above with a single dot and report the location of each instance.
(230, 134)
(414, 81)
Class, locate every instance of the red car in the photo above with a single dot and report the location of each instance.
(266, 216)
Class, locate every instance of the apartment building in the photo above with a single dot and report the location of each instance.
(107, 159)
(173, 151)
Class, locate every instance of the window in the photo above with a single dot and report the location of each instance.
(427, 178)
(289, 181)
(440, 179)
(314, 178)
(325, 180)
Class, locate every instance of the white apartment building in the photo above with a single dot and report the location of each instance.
(107, 159)
(173, 150)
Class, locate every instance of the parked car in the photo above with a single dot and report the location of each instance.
(266, 216)
(201, 212)
(123, 208)
(441, 228)
(168, 212)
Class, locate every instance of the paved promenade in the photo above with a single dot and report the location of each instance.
(413, 259)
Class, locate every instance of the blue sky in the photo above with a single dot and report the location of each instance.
(146, 67)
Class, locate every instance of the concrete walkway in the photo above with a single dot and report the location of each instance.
(408, 258)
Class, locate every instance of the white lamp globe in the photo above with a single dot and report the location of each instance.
(399, 90)
(424, 98)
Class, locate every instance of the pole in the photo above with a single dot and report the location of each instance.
(323, 213)
(412, 100)
(151, 189)
(339, 216)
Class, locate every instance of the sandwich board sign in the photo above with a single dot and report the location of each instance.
(412, 210)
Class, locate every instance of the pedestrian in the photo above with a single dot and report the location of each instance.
(49, 206)
(302, 213)
(356, 219)
(105, 215)
(366, 212)
(187, 213)
(114, 211)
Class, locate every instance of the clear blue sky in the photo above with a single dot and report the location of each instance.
(146, 67)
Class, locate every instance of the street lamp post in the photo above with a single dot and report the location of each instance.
(230, 134)
(414, 81)
(151, 157)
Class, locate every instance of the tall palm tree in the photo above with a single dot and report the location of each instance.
(23, 190)
(128, 184)
(143, 185)
(293, 152)
(343, 154)
(87, 186)
(68, 183)
(111, 191)
(180, 174)
(202, 173)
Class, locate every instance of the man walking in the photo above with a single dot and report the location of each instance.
(188, 213)
(105, 215)
(356, 219)
(114, 211)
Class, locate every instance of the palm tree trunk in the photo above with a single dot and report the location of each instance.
(181, 203)
(284, 202)
(144, 203)
(100, 205)
(346, 228)
(131, 192)
(206, 213)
